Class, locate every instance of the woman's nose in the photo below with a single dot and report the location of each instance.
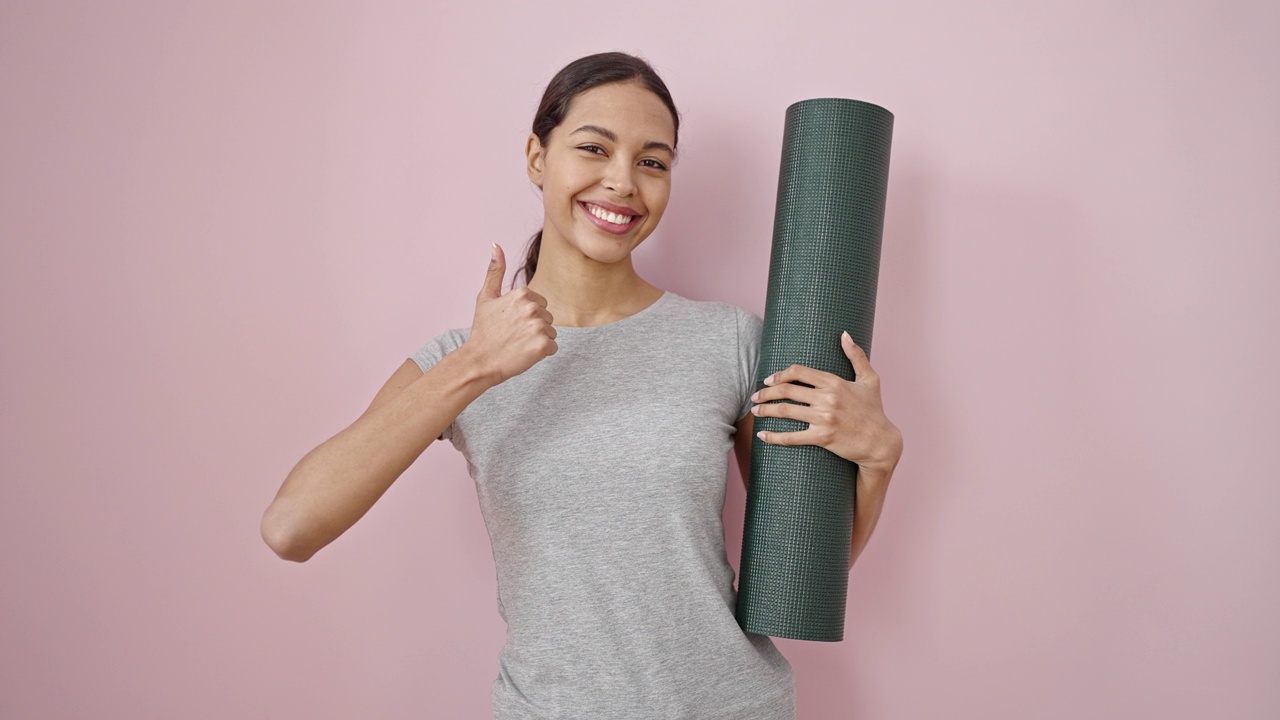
(618, 179)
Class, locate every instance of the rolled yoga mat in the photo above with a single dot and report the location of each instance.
(793, 578)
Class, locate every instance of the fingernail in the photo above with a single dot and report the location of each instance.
(768, 380)
(755, 397)
(845, 335)
(755, 409)
(760, 435)
(493, 253)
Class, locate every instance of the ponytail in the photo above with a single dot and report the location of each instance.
(531, 259)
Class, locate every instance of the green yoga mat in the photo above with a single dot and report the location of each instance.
(793, 579)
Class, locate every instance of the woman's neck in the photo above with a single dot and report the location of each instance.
(582, 292)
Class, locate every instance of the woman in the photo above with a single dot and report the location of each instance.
(596, 412)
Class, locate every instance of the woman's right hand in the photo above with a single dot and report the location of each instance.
(509, 332)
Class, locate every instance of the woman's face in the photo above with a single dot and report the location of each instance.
(605, 171)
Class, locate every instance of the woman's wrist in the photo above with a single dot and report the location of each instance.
(886, 460)
(477, 368)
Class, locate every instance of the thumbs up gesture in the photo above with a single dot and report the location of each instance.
(510, 332)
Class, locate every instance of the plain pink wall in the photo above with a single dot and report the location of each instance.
(225, 224)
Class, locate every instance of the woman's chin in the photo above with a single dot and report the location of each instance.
(606, 250)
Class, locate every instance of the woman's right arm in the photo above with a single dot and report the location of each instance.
(335, 484)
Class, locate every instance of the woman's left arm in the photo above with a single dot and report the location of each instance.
(845, 417)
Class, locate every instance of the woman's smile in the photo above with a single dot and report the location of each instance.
(611, 219)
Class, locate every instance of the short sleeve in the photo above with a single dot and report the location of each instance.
(750, 328)
(429, 354)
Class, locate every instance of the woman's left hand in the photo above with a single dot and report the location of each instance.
(845, 417)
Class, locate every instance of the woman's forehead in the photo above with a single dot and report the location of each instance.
(628, 111)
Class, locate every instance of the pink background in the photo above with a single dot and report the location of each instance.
(225, 224)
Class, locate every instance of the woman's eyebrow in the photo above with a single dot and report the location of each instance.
(612, 137)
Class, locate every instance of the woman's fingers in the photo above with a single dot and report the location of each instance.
(815, 406)
(782, 410)
(804, 374)
(822, 422)
(788, 391)
(819, 419)
(531, 295)
(800, 437)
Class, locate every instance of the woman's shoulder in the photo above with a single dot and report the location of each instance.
(714, 322)
(430, 352)
(712, 310)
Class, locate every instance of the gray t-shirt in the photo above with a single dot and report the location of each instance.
(601, 477)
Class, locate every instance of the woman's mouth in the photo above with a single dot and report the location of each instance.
(611, 222)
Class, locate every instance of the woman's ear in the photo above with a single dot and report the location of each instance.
(534, 153)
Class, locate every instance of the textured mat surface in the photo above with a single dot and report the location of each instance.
(825, 262)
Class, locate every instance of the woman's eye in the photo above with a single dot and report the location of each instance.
(654, 164)
(592, 149)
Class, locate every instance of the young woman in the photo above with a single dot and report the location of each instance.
(596, 412)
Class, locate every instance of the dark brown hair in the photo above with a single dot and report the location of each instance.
(577, 77)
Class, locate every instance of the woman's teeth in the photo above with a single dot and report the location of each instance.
(607, 216)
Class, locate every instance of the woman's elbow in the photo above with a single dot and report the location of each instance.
(283, 537)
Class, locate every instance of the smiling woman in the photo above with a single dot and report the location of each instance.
(605, 167)
(601, 490)
(593, 81)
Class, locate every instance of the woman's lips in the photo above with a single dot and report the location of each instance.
(614, 228)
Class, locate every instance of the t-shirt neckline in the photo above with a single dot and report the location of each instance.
(561, 330)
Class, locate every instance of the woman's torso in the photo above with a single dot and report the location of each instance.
(601, 476)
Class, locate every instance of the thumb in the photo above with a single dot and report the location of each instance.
(492, 287)
(858, 358)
